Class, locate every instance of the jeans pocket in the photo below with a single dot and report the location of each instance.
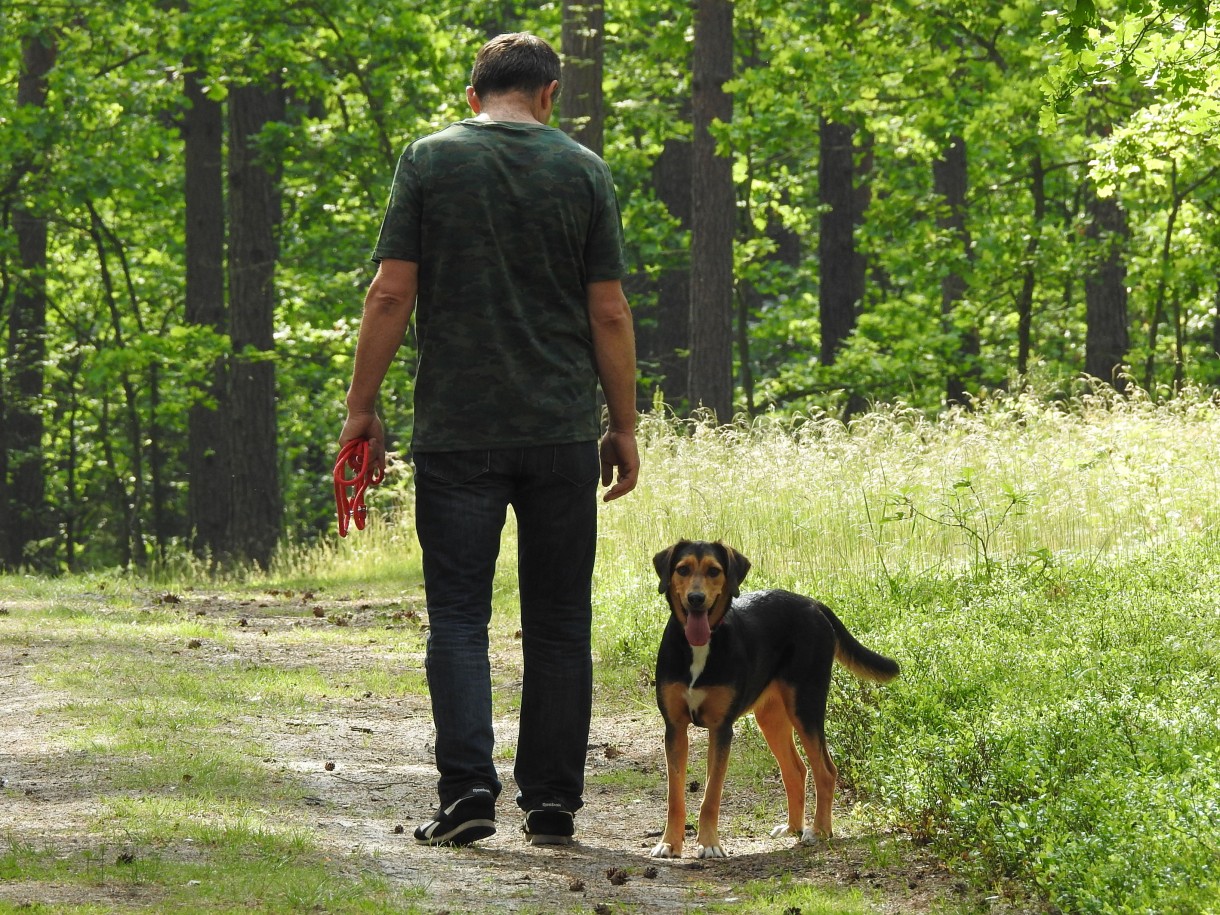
(579, 463)
(454, 467)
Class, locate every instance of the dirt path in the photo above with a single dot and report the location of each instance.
(362, 772)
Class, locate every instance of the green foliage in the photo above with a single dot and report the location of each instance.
(1062, 728)
(1113, 99)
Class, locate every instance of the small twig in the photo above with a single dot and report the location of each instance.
(363, 784)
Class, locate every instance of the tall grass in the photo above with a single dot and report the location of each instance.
(892, 496)
(898, 495)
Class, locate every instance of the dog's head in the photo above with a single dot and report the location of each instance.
(700, 579)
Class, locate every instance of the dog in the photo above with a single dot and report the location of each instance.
(724, 654)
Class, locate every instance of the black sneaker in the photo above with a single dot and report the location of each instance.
(470, 818)
(549, 824)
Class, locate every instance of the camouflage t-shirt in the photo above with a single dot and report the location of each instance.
(508, 223)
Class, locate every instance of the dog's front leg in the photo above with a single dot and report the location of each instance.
(719, 742)
(677, 746)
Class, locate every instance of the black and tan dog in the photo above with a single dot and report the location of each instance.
(724, 654)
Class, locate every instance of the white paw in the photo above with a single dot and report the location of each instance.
(809, 837)
(662, 850)
(711, 851)
(783, 830)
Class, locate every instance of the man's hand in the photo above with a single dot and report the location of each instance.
(619, 451)
(366, 425)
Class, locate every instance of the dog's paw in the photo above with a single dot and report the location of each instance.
(664, 850)
(711, 851)
(809, 837)
(785, 830)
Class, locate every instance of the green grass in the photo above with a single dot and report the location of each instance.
(240, 866)
(187, 806)
(784, 896)
(1046, 575)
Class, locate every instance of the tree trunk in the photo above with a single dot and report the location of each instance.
(841, 267)
(951, 179)
(1216, 321)
(209, 473)
(713, 215)
(254, 208)
(1025, 299)
(582, 115)
(1107, 334)
(664, 342)
(133, 500)
(24, 509)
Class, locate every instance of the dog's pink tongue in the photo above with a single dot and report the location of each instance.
(698, 632)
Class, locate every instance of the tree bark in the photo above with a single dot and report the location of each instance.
(132, 500)
(208, 465)
(24, 508)
(666, 343)
(582, 113)
(1025, 299)
(841, 267)
(1215, 353)
(713, 215)
(1107, 332)
(951, 179)
(254, 208)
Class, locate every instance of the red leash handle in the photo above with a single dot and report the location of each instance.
(353, 457)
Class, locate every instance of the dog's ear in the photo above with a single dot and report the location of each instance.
(663, 563)
(736, 567)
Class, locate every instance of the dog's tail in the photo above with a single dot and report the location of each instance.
(863, 662)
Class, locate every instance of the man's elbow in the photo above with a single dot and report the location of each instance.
(613, 322)
(611, 313)
(393, 289)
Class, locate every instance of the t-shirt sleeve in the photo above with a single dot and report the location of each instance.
(604, 258)
(400, 228)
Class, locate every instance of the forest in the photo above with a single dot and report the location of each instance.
(827, 207)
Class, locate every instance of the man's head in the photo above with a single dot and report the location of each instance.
(515, 62)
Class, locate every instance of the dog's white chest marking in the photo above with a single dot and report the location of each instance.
(695, 697)
(698, 661)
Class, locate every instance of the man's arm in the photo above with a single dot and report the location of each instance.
(387, 314)
(614, 353)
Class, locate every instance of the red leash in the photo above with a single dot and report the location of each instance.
(353, 457)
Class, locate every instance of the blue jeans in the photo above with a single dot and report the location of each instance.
(461, 500)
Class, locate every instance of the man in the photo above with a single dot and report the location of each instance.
(503, 236)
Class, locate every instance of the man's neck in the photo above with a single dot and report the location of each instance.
(507, 110)
(513, 107)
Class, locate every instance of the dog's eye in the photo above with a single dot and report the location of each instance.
(684, 571)
(713, 572)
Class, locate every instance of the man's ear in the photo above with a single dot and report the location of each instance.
(662, 562)
(545, 100)
(472, 99)
(736, 567)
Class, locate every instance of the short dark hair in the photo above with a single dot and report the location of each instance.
(514, 62)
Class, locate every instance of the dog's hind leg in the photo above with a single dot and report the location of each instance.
(825, 776)
(772, 718)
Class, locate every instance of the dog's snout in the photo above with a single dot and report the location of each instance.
(696, 599)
